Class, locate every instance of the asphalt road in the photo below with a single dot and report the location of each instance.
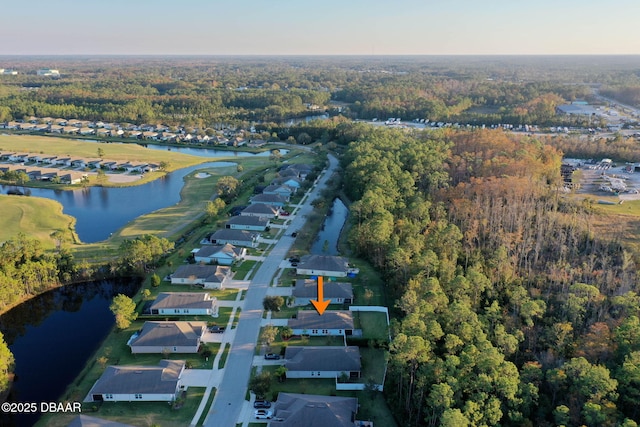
(230, 396)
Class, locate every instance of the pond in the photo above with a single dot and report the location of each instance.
(212, 152)
(327, 241)
(100, 211)
(52, 337)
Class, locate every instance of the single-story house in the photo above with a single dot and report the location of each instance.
(269, 199)
(322, 362)
(303, 169)
(323, 265)
(207, 276)
(294, 183)
(139, 383)
(294, 410)
(331, 323)
(279, 190)
(307, 289)
(183, 303)
(235, 237)
(219, 254)
(260, 209)
(251, 223)
(289, 173)
(72, 178)
(63, 161)
(171, 337)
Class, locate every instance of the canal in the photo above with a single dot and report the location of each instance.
(326, 243)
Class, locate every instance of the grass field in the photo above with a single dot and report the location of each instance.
(35, 217)
(138, 413)
(74, 148)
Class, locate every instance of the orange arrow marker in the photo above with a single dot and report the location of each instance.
(320, 305)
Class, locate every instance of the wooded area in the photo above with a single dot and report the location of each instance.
(512, 310)
(210, 92)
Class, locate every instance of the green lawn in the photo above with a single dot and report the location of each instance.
(207, 407)
(74, 148)
(36, 217)
(373, 324)
(137, 413)
(242, 269)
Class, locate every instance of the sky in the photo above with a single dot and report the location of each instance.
(327, 27)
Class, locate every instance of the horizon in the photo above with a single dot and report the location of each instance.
(287, 27)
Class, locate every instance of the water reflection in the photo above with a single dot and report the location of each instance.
(327, 241)
(101, 211)
(53, 335)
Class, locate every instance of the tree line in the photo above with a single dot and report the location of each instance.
(510, 310)
(207, 92)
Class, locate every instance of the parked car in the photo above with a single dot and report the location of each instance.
(284, 213)
(262, 404)
(216, 329)
(272, 356)
(294, 259)
(294, 264)
(263, 414)
(294, 234)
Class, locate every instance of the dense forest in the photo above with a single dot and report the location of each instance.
(512, 311)
(210, 92)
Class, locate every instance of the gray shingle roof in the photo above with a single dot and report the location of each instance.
(323, 262)
(308, 410)
(210, 250)
(260, 208)
(309, 288)
(161, 379)
(169, 334)
(229, 234)
(331, 319)
(210, 273)
(182, 300)
(345, 359)
(249, 220)
(268, 198)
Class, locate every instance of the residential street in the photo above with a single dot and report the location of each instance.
(231, 392)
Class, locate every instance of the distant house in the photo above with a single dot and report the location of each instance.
(219, 254)
(294, 183)
(323, 265)
(235, 237)
(139, 383)
(279, 190)
(168, 337)
(72, 178)
(251, 223)
(183, 304)
(255, 143)
(262, 210)
(294, 410)
(207, 276)
(307, 289)
(331, 323)
(322, 362)
(269, 199)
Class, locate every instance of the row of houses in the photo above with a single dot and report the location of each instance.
(46, 174)
(156, 132)
(77, 162)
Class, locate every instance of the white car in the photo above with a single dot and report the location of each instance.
(263, 414)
